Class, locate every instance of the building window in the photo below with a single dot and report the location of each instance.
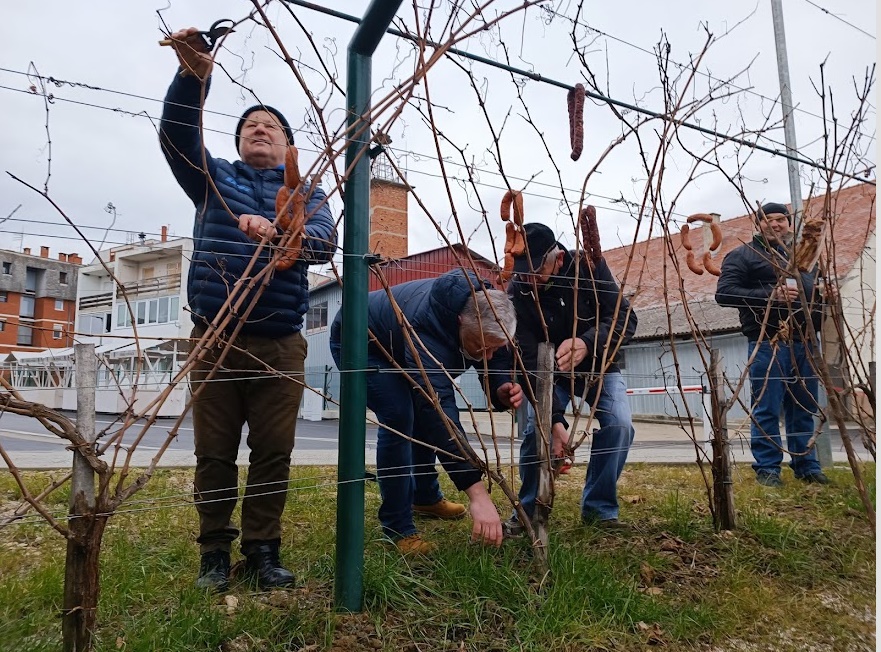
(56, 332)
(93, 324)
(7, 268)
(149, 311)
(4, 297)
(27, 306)
(316, 318)
(62, 278)
(25, 335)
(2, 326)
(30, 280)
(59, 305)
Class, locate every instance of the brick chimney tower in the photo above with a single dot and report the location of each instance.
(388, 210)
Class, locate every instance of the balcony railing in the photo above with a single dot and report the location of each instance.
(157, 285)
(101, 300)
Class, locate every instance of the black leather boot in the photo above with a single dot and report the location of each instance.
(214, 571)
(262, 562)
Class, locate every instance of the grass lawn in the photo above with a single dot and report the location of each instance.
(797, 574)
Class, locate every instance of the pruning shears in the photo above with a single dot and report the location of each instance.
(204, 41)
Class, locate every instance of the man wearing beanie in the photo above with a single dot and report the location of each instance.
(260, 381)
(581, 311)
(757, 279)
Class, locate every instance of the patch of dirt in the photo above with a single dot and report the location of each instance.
(355, 632)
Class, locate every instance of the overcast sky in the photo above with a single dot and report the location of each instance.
(100, 155)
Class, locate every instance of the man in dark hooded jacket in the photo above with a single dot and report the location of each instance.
(756, 279)
(581, 311)
(456, 321)
(235, 209)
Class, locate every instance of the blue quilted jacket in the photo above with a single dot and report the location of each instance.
(221, 250)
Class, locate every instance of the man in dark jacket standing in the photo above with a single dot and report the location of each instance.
(757, 279)
(235, 209)
(585, 316)
(456, 321)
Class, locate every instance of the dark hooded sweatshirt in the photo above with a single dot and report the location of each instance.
(604, 321)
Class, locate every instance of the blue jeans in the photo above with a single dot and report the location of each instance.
(611, 443)
(405, 471)
(781, 378)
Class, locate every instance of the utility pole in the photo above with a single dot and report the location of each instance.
(788, 120)
(823, 442)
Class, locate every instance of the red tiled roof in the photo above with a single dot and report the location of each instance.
(654, 279)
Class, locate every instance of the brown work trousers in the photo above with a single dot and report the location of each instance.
(243, 391)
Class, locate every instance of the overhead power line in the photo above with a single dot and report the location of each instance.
(591, 94)
(829, 13)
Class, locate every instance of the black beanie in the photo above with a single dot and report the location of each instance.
(772, 207)
(264, 107)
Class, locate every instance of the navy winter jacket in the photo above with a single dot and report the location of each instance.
(598, 324)
(221, 250)
(749, 274)
(432, 307)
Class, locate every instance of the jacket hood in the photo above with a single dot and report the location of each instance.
(449, 293)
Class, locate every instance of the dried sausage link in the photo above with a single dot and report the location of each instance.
(575, 102)
(683, 236)
(693, 264)
(515, 198)
(710, 264)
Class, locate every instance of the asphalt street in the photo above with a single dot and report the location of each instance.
(29, 445)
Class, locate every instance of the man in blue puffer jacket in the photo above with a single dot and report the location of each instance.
(457, 322)
(235, 210)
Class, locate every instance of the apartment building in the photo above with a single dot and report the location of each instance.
(129, 303)
(37, 300)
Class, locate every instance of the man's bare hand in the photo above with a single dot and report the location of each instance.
(487, 527)
(571, 353)
(559, 442)
(191, 53)
(256, 227)
(785, 293)
(510, 394)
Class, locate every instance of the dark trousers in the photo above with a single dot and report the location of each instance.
(405, 471)
(244, 391)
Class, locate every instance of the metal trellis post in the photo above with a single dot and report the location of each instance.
(349, 578)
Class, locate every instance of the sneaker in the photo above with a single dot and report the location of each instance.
(443, 509)
(214, 571)
(415, 545)
(513, 528)
(263, 564)
(814, 478)
(768, 479)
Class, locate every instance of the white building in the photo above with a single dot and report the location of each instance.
(138, 327)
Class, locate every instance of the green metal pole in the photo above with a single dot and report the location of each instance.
(349, 578)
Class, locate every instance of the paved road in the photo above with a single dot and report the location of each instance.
(31, 446)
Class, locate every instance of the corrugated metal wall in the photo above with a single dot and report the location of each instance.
(321, 372)
(654, 364)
